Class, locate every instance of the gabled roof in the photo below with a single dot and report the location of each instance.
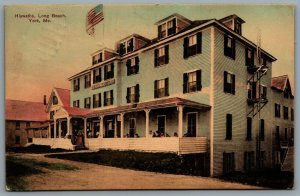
(64, 96)
(174, 15)
(281, 83)
(25, 111)
(232, 16)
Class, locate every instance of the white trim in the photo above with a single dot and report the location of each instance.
(197, 121)
(165, 123)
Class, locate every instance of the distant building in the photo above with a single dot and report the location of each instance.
(21, 118)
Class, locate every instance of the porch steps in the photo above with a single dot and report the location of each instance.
(288, 163)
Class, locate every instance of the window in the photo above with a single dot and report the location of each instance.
(87, 102)
(161, 88)
(191, 124)
(286, 93)
(133, 94)
(51, 115)
(76, 103)
(97, 100)
(161, 125)
(76, 84)
(262, 130)
(237, 27)
(161, 56)
(166, 29)
(108, 98)
(261, 159)
(285, 112)
(249, 160)
(277, 135)
(229, 83)
(228, 162)
(132, 127)
(252, 90)
(277, 110)
(292, 114)
(54, 100)
(249, 57)
(126, 46)
(109, 71)
(229, 46)
(27, 124)
(263, 60)
(263, 92)
(87, 81)
(286, 134)
(249, 128)
(132, 66)
(228, 126)
(97, 58)
(97, 75)
(192, 82)
(192, 45)
(109, 129)
(17, 125)
(17, 139)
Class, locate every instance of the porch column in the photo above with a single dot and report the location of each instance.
(180, 120)
(59, 128)
(84, 127)
(101, 126)
(68, 126)
(115, 127)
(54, 127)
(147, 111)
(122, 125)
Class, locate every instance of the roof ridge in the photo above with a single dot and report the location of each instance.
(61, 88)
(23, 101)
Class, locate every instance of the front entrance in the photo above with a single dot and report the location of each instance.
(132, 125)
(192, 124)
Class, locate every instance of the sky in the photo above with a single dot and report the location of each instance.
(40, 56)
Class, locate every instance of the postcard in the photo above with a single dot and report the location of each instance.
(149, 97)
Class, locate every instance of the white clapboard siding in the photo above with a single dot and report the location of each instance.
(191, 145)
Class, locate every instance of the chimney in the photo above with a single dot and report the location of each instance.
(45, 102)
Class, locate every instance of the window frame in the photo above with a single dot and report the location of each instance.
(229, 87)
(76, 84)
(229, 51)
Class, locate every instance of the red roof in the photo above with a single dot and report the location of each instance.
(25, 111)
(64, 95)
(77, 111)
(279, 82)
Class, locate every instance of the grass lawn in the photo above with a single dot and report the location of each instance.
(17, 168)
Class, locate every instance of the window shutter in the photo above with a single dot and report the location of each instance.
(121, 49)
(199, 85)
(229, 126)
(104, 97)
(225, 81)
(225, 45)
(94, 99)
(262, 129)
(185, 47)
(249, 128)
(185, 80)
(137, 64)
(137, 93)
(84, 103)
(233, 84)
(233, 48)
(174, 25)
(156, 57)
(128, 63)
(128, 94)
(112, 97)
(131, 44)
(199, 42)
(105, 72)
(166, 54)
(167, 87)
(155, 88)
(100, 74)
(253, 90)
(94, 76)
(112, 70)
(158, 31)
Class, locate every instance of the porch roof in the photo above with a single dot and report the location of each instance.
(155, 104)
(80, 112)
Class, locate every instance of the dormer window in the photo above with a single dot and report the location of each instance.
(238, 27)
(126, 46)
(98, 58)
(167, 28)
(54, 100)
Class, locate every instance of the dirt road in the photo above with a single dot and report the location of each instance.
(98, 177)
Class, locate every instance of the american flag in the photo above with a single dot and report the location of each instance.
(94, 16)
